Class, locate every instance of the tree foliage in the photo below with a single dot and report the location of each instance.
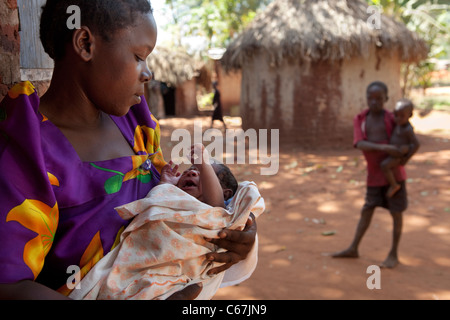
(430, 19)
(216, 21)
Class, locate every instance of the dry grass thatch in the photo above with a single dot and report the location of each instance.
(172, 66)
(312, 30)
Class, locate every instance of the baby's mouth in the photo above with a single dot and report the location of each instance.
(188, 184)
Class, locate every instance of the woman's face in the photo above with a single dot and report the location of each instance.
(118, 68)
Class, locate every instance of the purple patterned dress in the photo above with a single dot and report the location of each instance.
(57, 211)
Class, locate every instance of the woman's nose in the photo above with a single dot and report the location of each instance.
(146, 74)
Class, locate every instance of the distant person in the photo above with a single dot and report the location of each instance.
(373, 129)
(404, 138)
(217, 114)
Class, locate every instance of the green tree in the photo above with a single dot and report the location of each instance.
(430, 19)
(216, 21)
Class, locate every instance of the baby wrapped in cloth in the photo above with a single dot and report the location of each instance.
(163, 248)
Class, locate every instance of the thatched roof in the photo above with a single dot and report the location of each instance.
(172, 66)
(312, 30)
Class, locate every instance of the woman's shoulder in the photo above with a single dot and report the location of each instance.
(21, 101)
(19, 115)
(21, 88)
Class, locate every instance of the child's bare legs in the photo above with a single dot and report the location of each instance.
(363, 225)
(386, 166)
(366, 217)
(392, 258)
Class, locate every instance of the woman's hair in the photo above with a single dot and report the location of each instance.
(103, 17)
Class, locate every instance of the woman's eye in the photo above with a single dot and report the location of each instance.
(138, 58)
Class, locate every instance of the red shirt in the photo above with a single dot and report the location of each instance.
(375, 176)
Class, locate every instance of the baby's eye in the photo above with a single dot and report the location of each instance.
(138, 59)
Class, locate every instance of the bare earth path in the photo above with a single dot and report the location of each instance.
(313, 206)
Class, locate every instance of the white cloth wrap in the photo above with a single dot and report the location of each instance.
(163, 248)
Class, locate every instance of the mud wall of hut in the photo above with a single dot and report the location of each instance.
(9, 46)
(313, 104)
(301, 100)
(19, 58)
(359, 72)
(186, 99)
(230, 91)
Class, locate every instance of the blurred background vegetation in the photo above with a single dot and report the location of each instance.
(200, 25)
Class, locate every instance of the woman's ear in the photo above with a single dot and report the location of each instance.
(83, 42)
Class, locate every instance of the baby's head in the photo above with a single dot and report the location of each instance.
(227, 180)
(403, 111)
(190, 181)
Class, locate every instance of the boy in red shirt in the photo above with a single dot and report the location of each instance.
(373, 128)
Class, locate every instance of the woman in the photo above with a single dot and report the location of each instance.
(89, 145)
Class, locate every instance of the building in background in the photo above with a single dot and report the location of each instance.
(306, 66)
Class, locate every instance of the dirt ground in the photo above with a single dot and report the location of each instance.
(312, 208)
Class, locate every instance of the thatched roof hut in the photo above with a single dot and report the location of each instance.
(172, 66)
(306, 64)
(177, 71)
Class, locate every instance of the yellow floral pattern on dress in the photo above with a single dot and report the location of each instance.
(147, 140)
(137, 171)
(21, 88)
(92, 255)
(114, 183)
(53, 180)
(42, 219)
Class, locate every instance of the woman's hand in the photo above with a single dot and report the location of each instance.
(189, 293)
(237, 243)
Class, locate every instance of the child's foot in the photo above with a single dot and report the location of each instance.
(393, 190)
(349, 253)
(390, 262)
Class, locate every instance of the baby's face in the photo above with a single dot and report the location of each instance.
(402, 116)
(190, 183)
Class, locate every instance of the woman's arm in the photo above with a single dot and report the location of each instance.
(29, 290)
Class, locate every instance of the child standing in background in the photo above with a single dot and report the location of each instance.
(373, 129)
(404, 138)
